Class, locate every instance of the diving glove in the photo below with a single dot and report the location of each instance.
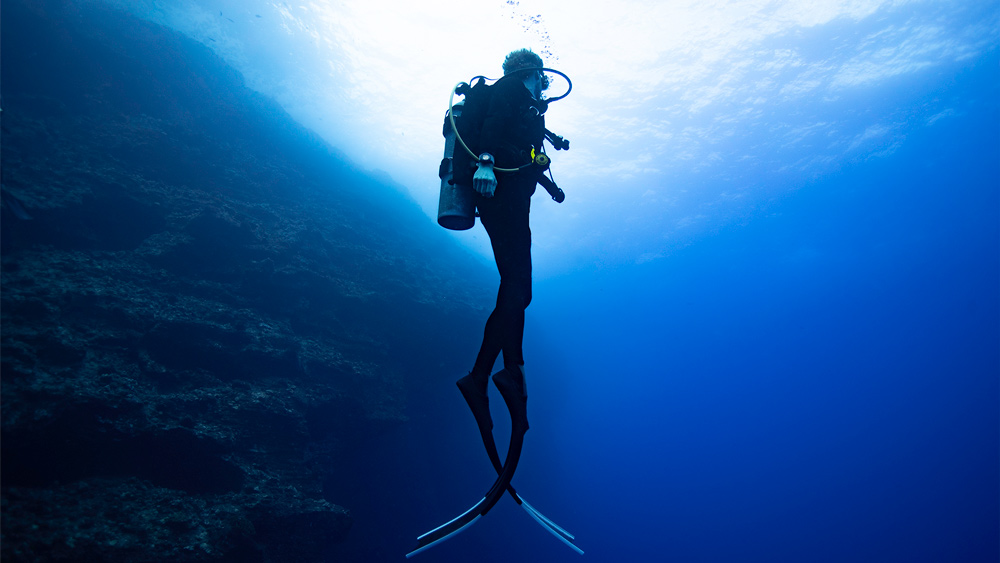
(484, 180)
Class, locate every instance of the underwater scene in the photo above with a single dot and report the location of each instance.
(763, 270)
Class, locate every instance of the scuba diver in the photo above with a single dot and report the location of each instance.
(494, 158)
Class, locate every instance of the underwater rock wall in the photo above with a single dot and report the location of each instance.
(200, 300)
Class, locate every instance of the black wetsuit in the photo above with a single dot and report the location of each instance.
(511, 127)
(502, 120)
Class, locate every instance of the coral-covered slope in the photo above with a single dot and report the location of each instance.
(199, 299)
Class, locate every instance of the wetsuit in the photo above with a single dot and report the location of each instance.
(503, 121)
(512, 125)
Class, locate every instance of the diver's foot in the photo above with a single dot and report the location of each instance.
(510, 382)
(473, 388)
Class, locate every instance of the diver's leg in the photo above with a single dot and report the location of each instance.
(494, 216)
(491, 346)
(475, 396)
(505, 218)
(511, 240)
(516, 283)
(473, 386)
(506, 221)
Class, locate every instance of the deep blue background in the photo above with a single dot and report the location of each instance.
(819, 383)
(816, 382)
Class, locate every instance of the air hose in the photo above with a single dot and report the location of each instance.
(451, 114)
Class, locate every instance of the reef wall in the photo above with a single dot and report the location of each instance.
(200, 299)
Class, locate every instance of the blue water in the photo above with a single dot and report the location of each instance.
(820, 385)
(819, 381)
(817, 384)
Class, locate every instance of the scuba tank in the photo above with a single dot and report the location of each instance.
(457, 204)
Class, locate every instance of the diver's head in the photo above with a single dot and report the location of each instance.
(525, 58)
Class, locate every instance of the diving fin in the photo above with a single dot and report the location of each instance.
(510, 383)
(478, 401)
(512, 388)
(470, 516)
(513, 395)
(553, 528)
(448, 529)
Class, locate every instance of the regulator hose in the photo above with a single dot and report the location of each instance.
(451, 106)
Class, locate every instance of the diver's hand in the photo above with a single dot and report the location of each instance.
(484, 180)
